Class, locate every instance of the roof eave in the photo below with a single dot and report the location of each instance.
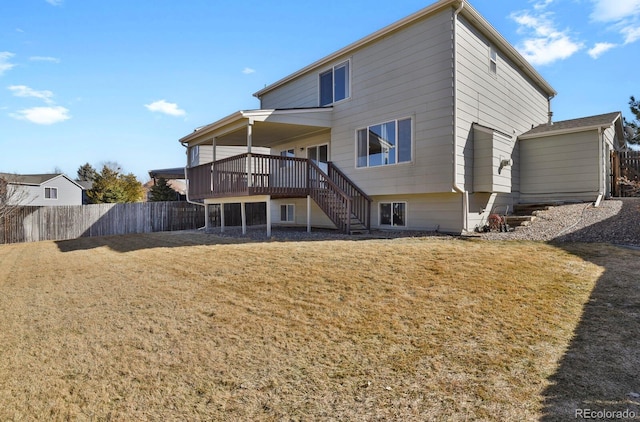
(468, 11)
(618, 118)
(360, 43)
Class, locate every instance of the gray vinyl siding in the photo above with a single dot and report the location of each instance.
(441, 212)
(318, 217)
(489, 151)
(205, 154)
(507, 101)
(560, 166)
(300, 93)
(406, 74)
(68, 193)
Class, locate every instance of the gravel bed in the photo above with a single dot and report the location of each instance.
(614, 221)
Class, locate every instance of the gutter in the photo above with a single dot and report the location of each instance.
(456, 187)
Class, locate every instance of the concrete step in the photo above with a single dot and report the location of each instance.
(519, 220)
(530, 209)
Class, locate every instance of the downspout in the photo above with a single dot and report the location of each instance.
(456, 187)
(601, 165)
(187, 179)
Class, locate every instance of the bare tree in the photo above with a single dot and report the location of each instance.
(11, 196)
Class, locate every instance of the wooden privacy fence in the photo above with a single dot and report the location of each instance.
(625, 167)
(32, 224)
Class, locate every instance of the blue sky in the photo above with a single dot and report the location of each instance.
(93, 81)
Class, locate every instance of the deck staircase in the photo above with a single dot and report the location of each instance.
(340, 199)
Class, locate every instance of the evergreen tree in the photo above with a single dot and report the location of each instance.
(634, 106)
(161, 191)
(110, 186)
(86, 173)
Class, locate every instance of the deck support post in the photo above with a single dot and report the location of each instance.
(206, 217)
(221, 218)
(243, 212)
(269, 217)
(249, 143)
(308, 213)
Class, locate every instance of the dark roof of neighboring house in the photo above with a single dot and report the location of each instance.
(86, 184)
(574, 124)
(34, 179)
(172, 173)
(28, 179)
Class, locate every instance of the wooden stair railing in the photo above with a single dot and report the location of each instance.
(337, 204)
(361, 207)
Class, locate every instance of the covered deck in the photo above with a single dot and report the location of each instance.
(250, 177)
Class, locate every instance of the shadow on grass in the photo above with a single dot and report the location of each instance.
(135, 242)
(600, 371)
(233, 235)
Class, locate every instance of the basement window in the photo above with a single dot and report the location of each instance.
(287, 213)
(393, 214)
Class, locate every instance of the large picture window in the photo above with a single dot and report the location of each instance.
(393, 214)
(334, 84)
(384, 144)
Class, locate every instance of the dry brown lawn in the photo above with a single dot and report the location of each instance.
(188, 326)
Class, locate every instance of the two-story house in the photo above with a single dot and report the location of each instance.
(42, 189)
(413, 127)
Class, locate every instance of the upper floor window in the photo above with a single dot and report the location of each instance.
(493, 60)
(51, 193)
(334, 84)
(195, 155)
(384, 144)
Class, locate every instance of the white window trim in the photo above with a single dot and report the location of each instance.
(493, 60)
(404, 163)
(290, 218)
(333, 70)
(391, 226)
(51, 188)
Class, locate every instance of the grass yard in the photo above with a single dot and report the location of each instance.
(186, 326)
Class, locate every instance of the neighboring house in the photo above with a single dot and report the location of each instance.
(43, 189)
(415, 126)
(87, 185)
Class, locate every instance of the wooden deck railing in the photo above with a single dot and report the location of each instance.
(249, 174)
(259, 174)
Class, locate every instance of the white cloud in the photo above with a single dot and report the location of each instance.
(161, 106)
(43, 115)
(54, 2)
(542, 4)
(623, 15)
(631, 33)
(5, 64)
(44, 59)
(26, 92)
(544, 43)
(248, 71)
(612, 11)
(600, 48)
